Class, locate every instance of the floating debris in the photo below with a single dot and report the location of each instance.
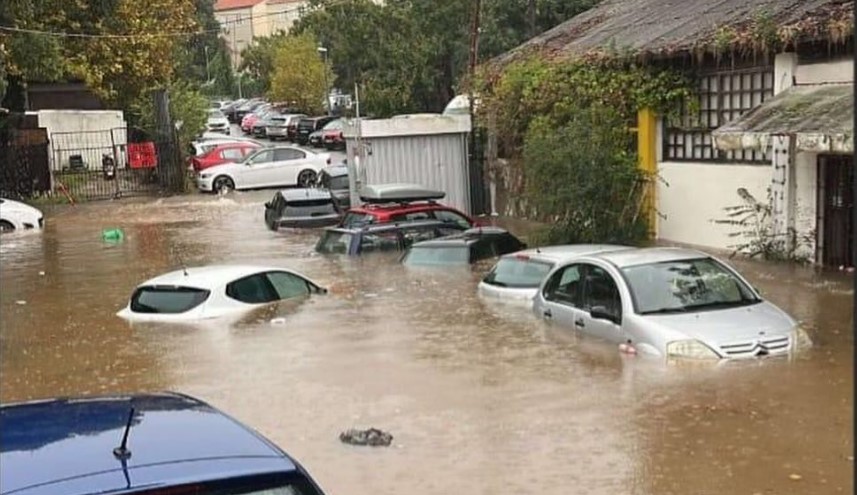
(372, 437)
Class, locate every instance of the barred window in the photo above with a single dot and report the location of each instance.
(724, 95)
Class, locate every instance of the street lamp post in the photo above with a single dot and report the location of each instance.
(324, 52)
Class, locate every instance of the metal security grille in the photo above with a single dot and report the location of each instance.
(724, 96)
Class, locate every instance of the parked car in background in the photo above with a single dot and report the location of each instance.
(146, 444)
(260, 126)
(516, 277)
(334, 178)
(223, 153)
(249, 106)
(17, 216)
(217, 122)
(251, 118)
(308, 125)
(332, 137)
(231, 109)
(206, 292)
(207, 143)
(462, 249)
(390, 237)
(279, 166)
(314, 139)
(302, 208)
(279, 124)
(667, 302)
(400, 202)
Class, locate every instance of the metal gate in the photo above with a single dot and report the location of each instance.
(837, 175)
(113, 163)
(24, 170)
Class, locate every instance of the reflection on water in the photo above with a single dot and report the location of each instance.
(479, 396)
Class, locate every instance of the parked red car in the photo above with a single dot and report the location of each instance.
(223, 153)
(331, 135)
(400, 203)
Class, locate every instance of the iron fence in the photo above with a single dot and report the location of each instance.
(112, 163)
(24, 170)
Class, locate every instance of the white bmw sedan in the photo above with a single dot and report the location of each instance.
(667, 302)
(214, 291)
(17, 216)
(268, 167)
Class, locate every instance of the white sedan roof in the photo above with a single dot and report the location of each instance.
(645, 256)
(558, 253)
(211, 277)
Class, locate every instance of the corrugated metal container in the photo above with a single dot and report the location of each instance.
(431, 151)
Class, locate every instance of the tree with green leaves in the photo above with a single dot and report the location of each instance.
(300, 75)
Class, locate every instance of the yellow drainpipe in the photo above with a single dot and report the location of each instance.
(647, 151)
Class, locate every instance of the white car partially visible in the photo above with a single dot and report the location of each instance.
(268, 167)
(201, 293)
(217, 122)
(17, 216)
(516, 277)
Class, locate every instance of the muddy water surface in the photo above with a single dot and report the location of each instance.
(480, 398)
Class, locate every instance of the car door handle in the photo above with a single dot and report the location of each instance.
(547, 314)
(579, 323)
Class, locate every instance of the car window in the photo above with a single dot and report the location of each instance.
(283, 154)
(247, 150)
(564, 286)
(484, 249)
(310, 208)
(437, 255)
(507, 243)
(410, 236)
(379, 241)
(167, 300)
(600, 290)
(685, 285)
(254, 289)
(452, 217)
(288, 285)
(231, 154)
(519, 272)
(406, 217)
(240, 485)
(334, 242)
(354, 219)
(262, 157)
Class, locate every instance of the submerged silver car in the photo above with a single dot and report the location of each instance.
(516, 277)
(668, 302)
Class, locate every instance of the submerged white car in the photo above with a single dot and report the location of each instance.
(214, 291)
(268, 167)
(516, 277)
(17, 216)
(667, 302)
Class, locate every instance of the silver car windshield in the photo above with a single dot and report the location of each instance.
(518, 272)
(686, 285)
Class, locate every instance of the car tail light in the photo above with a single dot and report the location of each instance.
(196, 164)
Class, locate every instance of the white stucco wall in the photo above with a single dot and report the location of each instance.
(838, 71)
(806, 197)
(695, 194)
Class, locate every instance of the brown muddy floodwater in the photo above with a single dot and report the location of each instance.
(480, 399)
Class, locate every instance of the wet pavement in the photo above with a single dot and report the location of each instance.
(479, 398)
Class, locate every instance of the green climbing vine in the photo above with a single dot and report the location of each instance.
(563, 130)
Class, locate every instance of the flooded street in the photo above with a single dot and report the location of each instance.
(480, 399)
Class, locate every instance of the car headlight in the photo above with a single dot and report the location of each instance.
(799, 338)
(204, 176)
(692, 349)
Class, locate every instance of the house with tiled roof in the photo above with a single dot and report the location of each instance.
(774, 83)
(243, 20)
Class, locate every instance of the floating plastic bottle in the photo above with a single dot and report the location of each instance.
(114, 234)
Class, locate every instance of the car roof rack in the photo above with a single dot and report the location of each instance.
(398, 193)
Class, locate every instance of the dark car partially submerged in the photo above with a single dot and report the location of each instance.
(302, 208)
(174, 444)
(334, 178)
(464, 248)
(388, 237)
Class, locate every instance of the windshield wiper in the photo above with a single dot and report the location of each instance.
(723, 304)
(663, 311)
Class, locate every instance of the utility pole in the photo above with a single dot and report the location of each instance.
(355, 165)
(325, 53)
(475, 161)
